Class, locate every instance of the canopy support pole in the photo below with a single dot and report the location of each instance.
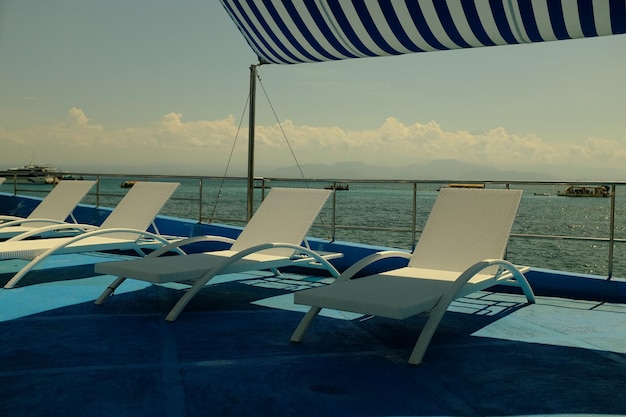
(251, 124)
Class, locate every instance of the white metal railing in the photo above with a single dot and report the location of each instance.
(200, 201)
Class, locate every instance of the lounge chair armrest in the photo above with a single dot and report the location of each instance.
(369, 260)
(8, 218)
(297, 248)
(200, 282)
(446, 299)
(176, 245)
(79, 228)
(51, 251)
(140, 234)
(20, 222)
(503, 265)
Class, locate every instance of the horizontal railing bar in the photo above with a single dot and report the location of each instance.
(560, 237)
(209, 220)
(198, 196)
(375, 228)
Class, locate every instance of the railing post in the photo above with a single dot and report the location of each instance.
(333, 217)
(200, 202)
(98, 190)
(414, 223)
(611, 232)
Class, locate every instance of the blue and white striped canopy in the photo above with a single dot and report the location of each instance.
(295, 31)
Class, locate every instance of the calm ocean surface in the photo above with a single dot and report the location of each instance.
(390, 206)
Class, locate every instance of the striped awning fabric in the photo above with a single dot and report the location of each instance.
(296, 31)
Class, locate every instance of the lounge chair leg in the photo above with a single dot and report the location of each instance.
(519, 280)
(109, 290)
(427, 334)
(189, 294)
(22, 272)
(298, 334)
(525, 286)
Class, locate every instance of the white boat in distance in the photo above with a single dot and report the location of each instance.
(586, 191)
(32, 174)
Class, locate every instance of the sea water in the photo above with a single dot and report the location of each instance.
(386, 210)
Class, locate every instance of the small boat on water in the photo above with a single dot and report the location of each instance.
(466, 185)
(338, 187)
(70, 177)
(261, 183)
(585, 191)
(127, 184)
(32, 174)
(463, 185)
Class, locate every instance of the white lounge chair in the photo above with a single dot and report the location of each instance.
(125, 228)
(54, 209)
(460, 251)
(271, 239)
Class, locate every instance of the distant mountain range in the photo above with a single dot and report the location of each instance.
(443, 169)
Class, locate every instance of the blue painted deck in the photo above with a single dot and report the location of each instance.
(229, 353)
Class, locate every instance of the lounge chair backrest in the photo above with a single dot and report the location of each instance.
(60, 202)
(466, 226)
(284, 216)
(139, 206)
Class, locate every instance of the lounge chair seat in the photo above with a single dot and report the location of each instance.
(193, 266)
(271, 239)
(392, 294)
(125, 228)
(54, 209)
(459, 252)
(92, 241)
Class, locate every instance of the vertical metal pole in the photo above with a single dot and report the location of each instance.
(612, 232)
(200, 202)
(333, 228)
(251, 124)
(414, 225)
(98, 191)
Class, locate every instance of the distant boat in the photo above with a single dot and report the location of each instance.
(586, 191)
(70, 177)
(127, 184)
(543, 194)
(458, 185)
(32, 174)
(466, 185)
(338, 187)
(261, 183)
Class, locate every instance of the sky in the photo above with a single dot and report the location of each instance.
(161, 86)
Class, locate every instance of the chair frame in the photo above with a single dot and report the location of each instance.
(437, 300)
(223, 262)
(142, 239)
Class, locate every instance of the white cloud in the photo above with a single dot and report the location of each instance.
(204, 146)
(79, 119)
